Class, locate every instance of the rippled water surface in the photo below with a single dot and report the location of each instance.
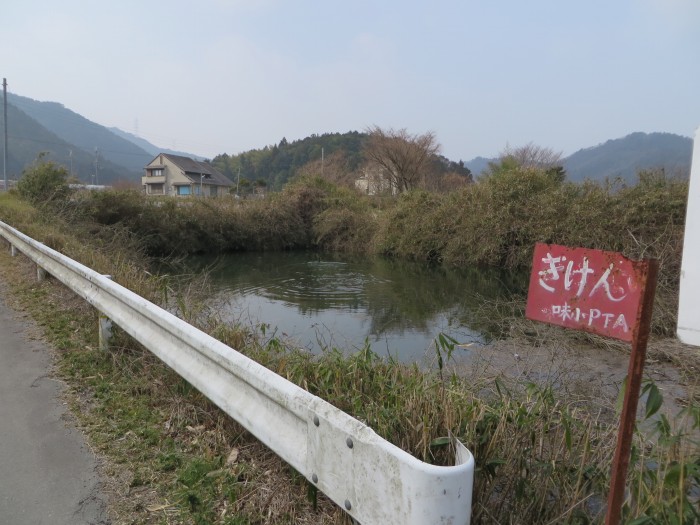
(317, 300)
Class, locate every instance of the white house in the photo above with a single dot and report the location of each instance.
(373, 182)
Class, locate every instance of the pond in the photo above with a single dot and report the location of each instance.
(319, 300)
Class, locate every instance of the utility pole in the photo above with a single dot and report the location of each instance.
(238, 180)
(4, 150)
(321, 162)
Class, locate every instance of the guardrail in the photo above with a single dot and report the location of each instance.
(373, 480)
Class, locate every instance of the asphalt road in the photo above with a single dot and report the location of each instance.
(48, 476)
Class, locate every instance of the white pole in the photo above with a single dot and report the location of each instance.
(689, 297)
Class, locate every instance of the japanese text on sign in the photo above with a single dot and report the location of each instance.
(590, 290)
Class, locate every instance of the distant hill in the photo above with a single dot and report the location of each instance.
(150, 148)
(27, 138)
(478, 164)
(70, 139)
(83, 133)
(625, 157)
(75, 142)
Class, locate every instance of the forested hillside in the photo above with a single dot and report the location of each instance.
(27, 139)
(342, 153)
(626, 156)
(83, 133)
(275, 165)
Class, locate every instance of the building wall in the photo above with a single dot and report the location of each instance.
(172, 176)
(373, 182)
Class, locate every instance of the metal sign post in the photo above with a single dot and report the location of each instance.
(607, 294)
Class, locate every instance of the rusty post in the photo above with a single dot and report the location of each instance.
(634, 381)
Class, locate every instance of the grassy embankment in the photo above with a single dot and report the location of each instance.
(541, 458)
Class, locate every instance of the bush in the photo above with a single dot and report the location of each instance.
(44, 182)
(495, 222)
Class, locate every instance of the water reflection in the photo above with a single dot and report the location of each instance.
(317, 299)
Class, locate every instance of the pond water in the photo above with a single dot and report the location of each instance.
(318, 300)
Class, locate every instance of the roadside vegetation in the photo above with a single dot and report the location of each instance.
(542, 457)
(494, 222)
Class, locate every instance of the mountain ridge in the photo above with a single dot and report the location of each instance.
(150, 148)
(100, 154)
(83, 133)
(29, 140)
(626, 156)
(620, 158)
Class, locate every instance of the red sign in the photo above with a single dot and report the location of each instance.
(589, 290)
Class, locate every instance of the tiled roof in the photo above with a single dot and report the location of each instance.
(194, 169)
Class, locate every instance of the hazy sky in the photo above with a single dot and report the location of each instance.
(216, 76)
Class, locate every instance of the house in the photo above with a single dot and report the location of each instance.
(373, 182)
(175, 175)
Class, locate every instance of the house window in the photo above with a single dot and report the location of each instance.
(155, 189)
(198, 190)
(212, 191)
(183, 190)
(157, 172)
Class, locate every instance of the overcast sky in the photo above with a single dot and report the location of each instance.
(216, 76)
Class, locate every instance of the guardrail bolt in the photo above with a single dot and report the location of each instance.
(314, 478)
(349, 442)
(348, 505)
(316, 421)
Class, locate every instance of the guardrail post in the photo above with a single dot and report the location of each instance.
(104, 328)
(40, 273)
(13, 250)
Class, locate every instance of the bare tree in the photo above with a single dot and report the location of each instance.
(335, 167)
(533, 156)
(448, 182)
(403, 157)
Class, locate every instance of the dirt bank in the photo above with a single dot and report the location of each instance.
(584, 371)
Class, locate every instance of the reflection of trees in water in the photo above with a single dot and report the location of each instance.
(396, 295)
(412, 294)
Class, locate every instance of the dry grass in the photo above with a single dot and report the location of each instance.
(543, 453)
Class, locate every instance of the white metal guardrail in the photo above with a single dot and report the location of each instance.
(374, 481)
